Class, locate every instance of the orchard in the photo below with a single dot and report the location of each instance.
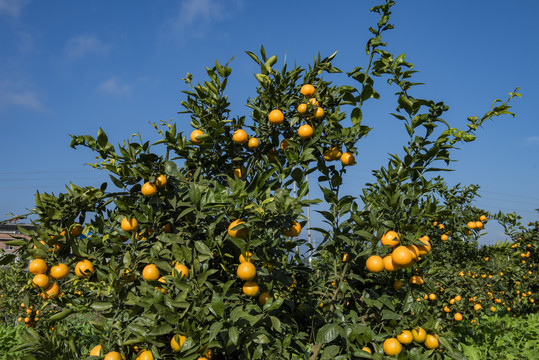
(197, 248)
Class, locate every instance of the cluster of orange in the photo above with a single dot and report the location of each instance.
(393, 346)
(31, 316)
(477, 224)
(402, 256)
(149, 188)
(42, 280)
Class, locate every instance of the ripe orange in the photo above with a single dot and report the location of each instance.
(148, 189)
(458, 298)
(182, 270)
(150, 272)
(414, 250)
(420, 335)
(239, 233)
(52, 291)
(307, 90)
(96, 351)
(76, 230)
(397, 285)
(294, 230)
(250, 288)
(305, 131)
(319, 113)
(176, 345)
(161, 181)
(194, 135)
(84, 268)
(432, 297)
(348, 159)
(129, 225)
(482, 218)
(390, 238)
(444, 237)
(239, 171)
(114, 355)
(253, 143)
(477, 307)
(37, 266)
(302, 109)
(375, 263)
(276, 117)
(263, 298)
(416, 279)
(240, 136)
(479, 225)
(332, 154)
(145, 355)
(447, 309)
(402, 256)
(313, 101)
(59, 271)
(345, 258)
(405, 337)
(41, 280)
(431, 342)
(246, 271)
(245, 258)
(471, 225)
(389, 264)
(392, 346)
(367, 349)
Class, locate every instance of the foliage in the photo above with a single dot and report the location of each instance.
(334, 308)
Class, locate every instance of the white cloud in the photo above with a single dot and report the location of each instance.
(82, 45)
(113, 86)
(12, 7)
(195, 16)
(19, 95)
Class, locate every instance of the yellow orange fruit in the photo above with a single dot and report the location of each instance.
(150, 272)
(114, 355)
(238, 233)
(145, 355)
(276, 117)
(431, 342)
(471, 225)
(392, 347)
(253, 143)
(420, 335)
(347, 159)
(41, 280)
(37, 266)
(194, 135)
(294, 230)
(390, 238)
(302, 109)
(307, 90)
(246, 271)
(84, 268)
(245, 258)
(129, 225)
(96, 351)
(240, 136)
(389, 264)
(52, 291)
(319, 113)
(148, 189)
(182, 270)
(444, 237)
(250, 288)
(305, 131)
(375, 264)
(59, 271)
(402, 257)
(161, 181)
(176, 345)
(405, 337)
(263, 298)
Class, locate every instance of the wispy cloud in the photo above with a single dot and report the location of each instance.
(83, 45)
(13, 94)
(195, 16)
(12, 8)
(534, 139)
(113, 86)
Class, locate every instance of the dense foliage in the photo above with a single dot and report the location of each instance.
(199, 250)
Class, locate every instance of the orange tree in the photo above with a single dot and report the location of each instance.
(195, 254)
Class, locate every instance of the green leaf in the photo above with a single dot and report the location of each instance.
(327, 333)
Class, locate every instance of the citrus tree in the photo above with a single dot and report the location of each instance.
(197, 250)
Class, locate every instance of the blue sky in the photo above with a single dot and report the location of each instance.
(70, 67)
